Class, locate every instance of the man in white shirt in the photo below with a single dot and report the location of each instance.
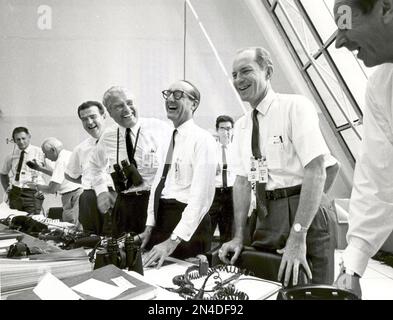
(371, 204)
(183, 190)
(69, 191)
(221, 211)
(136, 141)
(282, 159)
(16, 174)
(92, 115)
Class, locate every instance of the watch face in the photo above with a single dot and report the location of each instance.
(174, 237)
(297, 227)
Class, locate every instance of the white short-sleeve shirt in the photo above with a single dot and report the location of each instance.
(289, 137)
(26, 174)
(79, 163)
(58, 173)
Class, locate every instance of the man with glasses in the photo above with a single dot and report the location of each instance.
(282, 159)
(221, 211)
(183, 190)
(129, 152)
(370, 35)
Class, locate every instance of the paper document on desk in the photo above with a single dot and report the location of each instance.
(256, 288)
(5, 244)
(51, 288)
(99, 289)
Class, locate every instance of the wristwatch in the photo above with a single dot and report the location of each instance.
(297, 227)
(175, 238)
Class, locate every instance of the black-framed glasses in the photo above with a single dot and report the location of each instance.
(177, 94)
(225, 128)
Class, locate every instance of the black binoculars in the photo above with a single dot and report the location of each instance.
(125, 176)
(129, 257)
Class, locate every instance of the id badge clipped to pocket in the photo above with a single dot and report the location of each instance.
(148, 160)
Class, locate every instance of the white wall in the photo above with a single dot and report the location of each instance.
(94, 44)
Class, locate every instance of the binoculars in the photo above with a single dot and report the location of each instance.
(128, 257)
(125, 176)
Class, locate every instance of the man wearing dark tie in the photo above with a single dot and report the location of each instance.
(129, 152)
(221, 211)
(15, 175)
(282, 160)
(183, 190)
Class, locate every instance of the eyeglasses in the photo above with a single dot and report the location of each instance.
(177, 94)
(226, 129)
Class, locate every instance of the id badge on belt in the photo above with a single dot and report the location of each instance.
(253, 174)
(263, 171)
(258, 171)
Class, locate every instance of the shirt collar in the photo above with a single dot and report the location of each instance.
(185, 126)
(134, 129)
(264, 106)
(61, 154)
(27, 149)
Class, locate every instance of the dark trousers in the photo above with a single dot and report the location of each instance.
(24, 199)
(92, 220)
(221, 213)
(169, 214)
(129, 213)
(272, 232)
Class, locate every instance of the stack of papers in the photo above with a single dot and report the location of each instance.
(106, 283)
(17, 274)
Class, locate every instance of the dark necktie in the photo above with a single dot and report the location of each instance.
(224, 167)
(19, 168)
(130, 147)
(256, 152)
(161, 184)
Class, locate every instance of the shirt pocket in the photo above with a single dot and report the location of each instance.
(275, 153)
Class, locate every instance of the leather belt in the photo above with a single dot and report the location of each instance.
(63, 194)
(283, 193)
(136, 193)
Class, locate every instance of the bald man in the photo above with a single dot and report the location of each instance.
(53, 150)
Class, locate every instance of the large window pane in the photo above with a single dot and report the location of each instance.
(352, 140)
(352, 72)
(321, 16)
(336, 91)
(300, 26)
(292, 37)
(334, 111)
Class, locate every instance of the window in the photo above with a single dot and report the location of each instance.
(336, 77)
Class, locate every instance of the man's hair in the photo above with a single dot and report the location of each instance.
(89, 104)
(224, 118)
(366, 6)
(19, 130)
(115, 90)
(262, 58)
(194, 92)
(52, 142)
